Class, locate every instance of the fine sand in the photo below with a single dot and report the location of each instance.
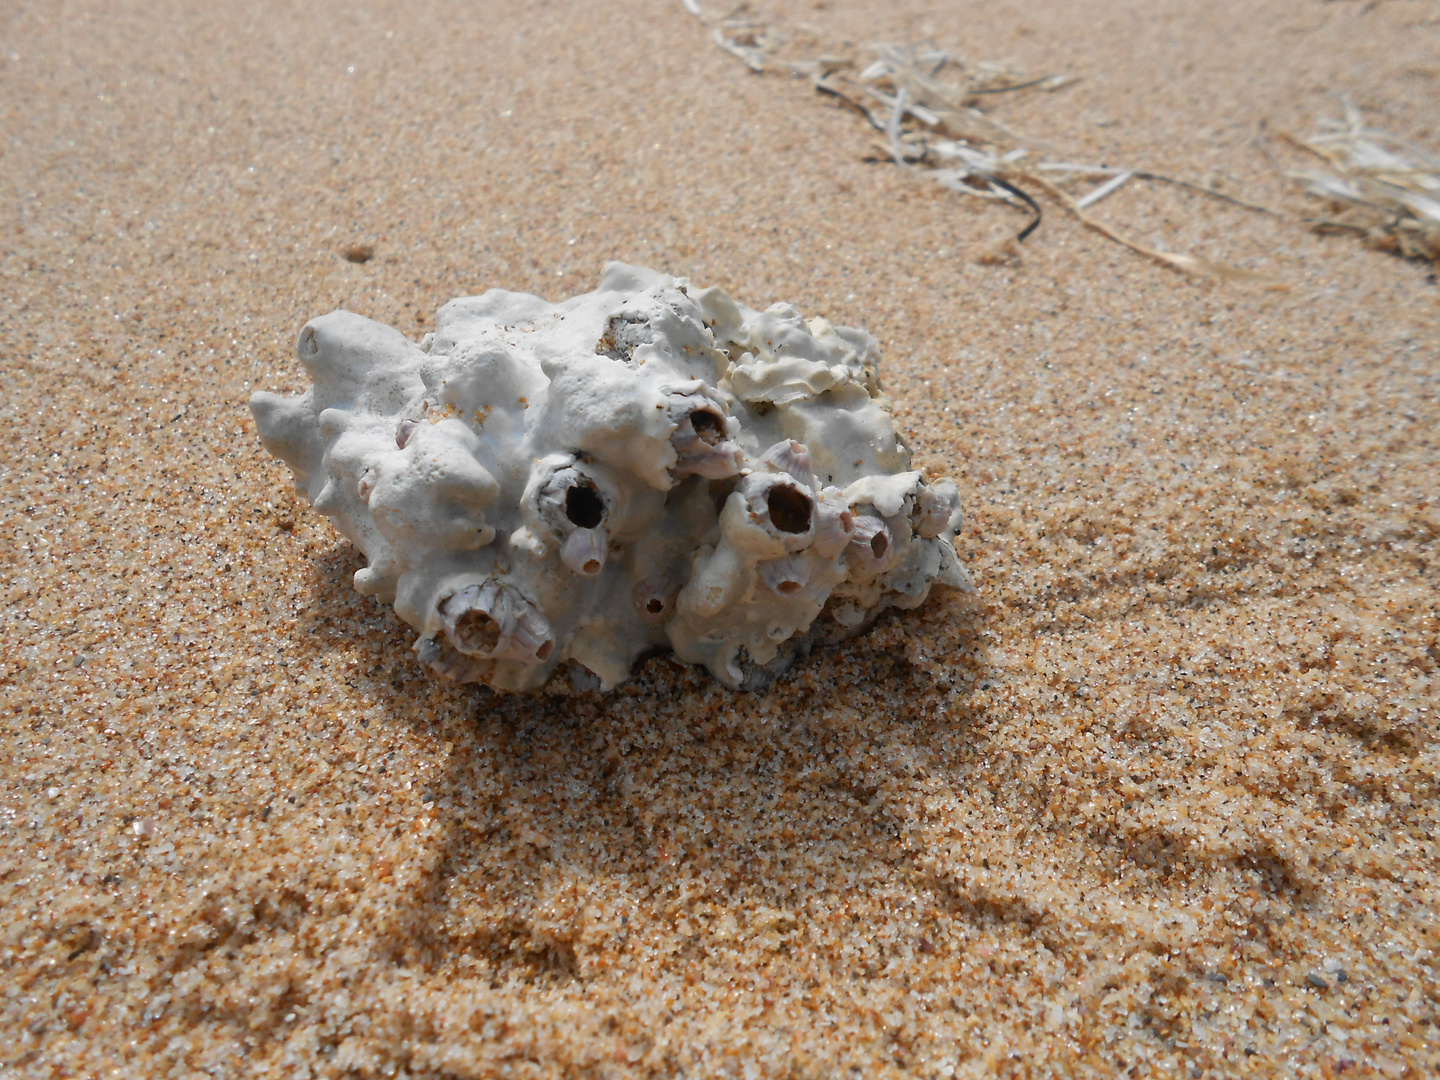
(1159, 800)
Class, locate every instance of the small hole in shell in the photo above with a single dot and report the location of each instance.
(655, 605)
(584, 507)
(544, 651)
(789, 509)
(788, 587)
(708, 426)
(879, 545)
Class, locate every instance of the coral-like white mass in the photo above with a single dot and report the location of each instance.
(545, 488)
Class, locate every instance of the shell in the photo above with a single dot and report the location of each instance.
(491, 621)
(781, 507)
(872, 547)
(584, 551)
(834, 526)
(937, 508)
(437, 657)
(727, 459)
(701, 428)
(700, 442)
(566, 499)
(545, 488)
(785, 576)
(791, 457)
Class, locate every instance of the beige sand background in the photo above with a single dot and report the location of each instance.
(1161, 800)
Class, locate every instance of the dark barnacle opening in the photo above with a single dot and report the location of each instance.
(584, 507)
(476, 632)
(879, 545)
(789, 509)
(708, 426)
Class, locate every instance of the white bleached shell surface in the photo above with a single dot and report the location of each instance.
(543, 488)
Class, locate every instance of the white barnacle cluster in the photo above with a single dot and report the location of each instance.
(559, 489)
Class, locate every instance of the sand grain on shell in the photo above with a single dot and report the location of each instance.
(1161, 801)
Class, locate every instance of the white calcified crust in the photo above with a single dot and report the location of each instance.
(646, 466)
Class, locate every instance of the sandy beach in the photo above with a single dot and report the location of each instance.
(1158, 800)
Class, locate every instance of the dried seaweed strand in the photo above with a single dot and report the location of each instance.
(1391, 188)
(1016, 86)
(1024, 197)
(962, 148)
(1201, 189)
(824, 87)
(1115, 183)
(1187, 263)
(1145, 174)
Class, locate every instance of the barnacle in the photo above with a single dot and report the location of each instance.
(645, 466)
